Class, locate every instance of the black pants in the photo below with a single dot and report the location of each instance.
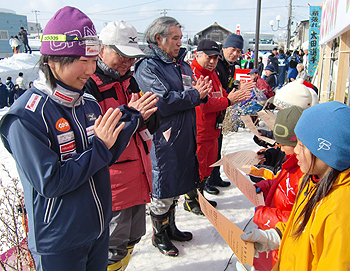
(215, 174)
(26, 48)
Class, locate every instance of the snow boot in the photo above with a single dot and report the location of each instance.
(115, 267)
(160, 238)
(201, 189)
(191, 203)
(173, 231)
(125, 261)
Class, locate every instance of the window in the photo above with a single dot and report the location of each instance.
(4, 35)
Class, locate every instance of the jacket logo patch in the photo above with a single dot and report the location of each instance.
(90, 130)
(66, 137)
(91, 116)
(62, 96)
(90, 133)
(33, 102)
(66, 156)
(67, 147)
(62, 125)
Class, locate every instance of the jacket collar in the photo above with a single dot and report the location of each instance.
(153, 51)
(204, 72)
(223, 59)
(110, 73)
(62, 94)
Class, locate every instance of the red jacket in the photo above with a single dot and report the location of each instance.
(207, 112)
(279, 195)
(131, 175)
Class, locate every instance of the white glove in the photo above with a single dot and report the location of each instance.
(263, 240)
(246, 267)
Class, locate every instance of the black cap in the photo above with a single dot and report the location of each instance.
(209, 47)
(253, 71)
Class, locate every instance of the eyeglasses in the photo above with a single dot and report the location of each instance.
(124, 59)
(92, 44)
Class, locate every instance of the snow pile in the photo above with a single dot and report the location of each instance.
(25, 63)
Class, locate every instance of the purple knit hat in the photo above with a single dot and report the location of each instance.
(71, 22)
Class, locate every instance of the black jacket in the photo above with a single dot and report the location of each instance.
(272, 60)
(225, 72)
(272, 80)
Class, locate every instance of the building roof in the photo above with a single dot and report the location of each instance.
(5, 10)
(214, 24)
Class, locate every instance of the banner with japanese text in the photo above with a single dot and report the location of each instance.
(314, 38)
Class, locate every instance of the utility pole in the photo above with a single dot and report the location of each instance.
(257, 34)
(36, 21)
(163, 11)
(289, 24)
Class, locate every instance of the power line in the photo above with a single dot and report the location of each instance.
(124, 7)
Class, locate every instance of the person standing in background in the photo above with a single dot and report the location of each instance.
(10, 88)
(24, 37)
(21, 82)
(282, 65)
(260, 65)
(3, 95)
(272, 60)
(14, 43)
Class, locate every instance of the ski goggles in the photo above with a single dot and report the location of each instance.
(92, 44)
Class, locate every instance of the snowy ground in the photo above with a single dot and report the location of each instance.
(207, 251)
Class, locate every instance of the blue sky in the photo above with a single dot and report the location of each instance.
(194, 15)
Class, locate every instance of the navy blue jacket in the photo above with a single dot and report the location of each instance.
(63, 167)
(173, 153)
(283, 65)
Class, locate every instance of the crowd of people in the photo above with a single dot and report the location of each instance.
(11, 91)
(108, 134)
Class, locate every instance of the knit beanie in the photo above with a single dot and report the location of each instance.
(324, 130)
(286, 120)
(270, 68)
(235, 41)
(294, 93)
(69, 21)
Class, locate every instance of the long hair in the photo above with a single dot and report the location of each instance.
(160, 26)
(44, 67)
(322, 189)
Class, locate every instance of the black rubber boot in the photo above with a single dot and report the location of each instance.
(201, 189)
(173, 231)
(160, 238)
(191, 203)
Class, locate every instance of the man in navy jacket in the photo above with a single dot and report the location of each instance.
(173, 153)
